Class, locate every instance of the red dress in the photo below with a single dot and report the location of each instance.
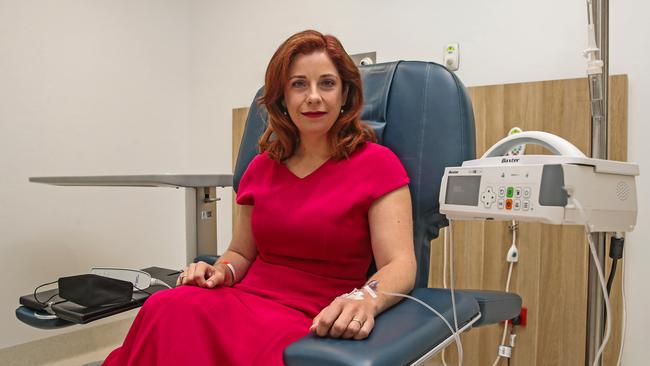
(313, 243)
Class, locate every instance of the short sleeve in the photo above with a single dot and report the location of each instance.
(246, 189)
(390, 173)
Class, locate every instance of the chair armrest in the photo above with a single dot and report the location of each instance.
(401, 335)
(496, 306)
(31, 318)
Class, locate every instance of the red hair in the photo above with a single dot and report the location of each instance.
(347, 133)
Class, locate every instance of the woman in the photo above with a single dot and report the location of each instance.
(318, 204)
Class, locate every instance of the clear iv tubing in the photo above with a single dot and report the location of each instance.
(459, 346)
(451, 288)
(601, 277)
(371, 289)
(444, 279)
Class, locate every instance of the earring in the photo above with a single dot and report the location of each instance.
(285, 113)
(342, 110)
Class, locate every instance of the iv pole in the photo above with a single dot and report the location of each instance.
(597, 55)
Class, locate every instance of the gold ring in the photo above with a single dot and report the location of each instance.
(356, 320)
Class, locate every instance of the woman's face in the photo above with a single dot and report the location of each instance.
(314, 94)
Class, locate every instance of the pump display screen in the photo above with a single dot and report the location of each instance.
(463, 190)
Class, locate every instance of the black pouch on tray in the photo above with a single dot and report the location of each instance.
(92, 290)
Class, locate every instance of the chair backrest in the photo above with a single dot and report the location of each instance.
(422, 112)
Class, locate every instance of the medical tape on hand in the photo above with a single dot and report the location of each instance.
(357, 294)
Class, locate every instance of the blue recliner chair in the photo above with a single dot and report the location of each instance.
(422, 112)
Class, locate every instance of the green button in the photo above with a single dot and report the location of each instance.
(510, 192)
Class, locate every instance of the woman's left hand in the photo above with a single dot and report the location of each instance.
(346, 318)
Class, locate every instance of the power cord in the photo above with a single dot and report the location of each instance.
(616, 244)
(448, 238)
(47, 302)
(157, 282)
(601, 277)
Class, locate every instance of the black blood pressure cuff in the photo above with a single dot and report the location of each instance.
(92, 290)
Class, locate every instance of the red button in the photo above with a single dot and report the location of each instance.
(508, 204)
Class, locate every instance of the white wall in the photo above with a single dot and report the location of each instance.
(112, 87)
(89, 87)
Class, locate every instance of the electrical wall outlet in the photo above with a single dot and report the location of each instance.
(451, 57)
(363, 59)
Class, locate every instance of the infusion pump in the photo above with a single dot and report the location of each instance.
(542, 188)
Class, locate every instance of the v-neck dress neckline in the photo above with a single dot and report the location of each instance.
(313, 172)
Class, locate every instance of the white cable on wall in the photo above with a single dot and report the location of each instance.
(459, 346)
(451, 288)
(444, 277)
(624, 320)
(512, 262)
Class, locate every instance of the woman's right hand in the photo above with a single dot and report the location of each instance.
(202, 274)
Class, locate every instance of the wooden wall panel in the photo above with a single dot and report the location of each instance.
(238, 123)
(551, 275)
